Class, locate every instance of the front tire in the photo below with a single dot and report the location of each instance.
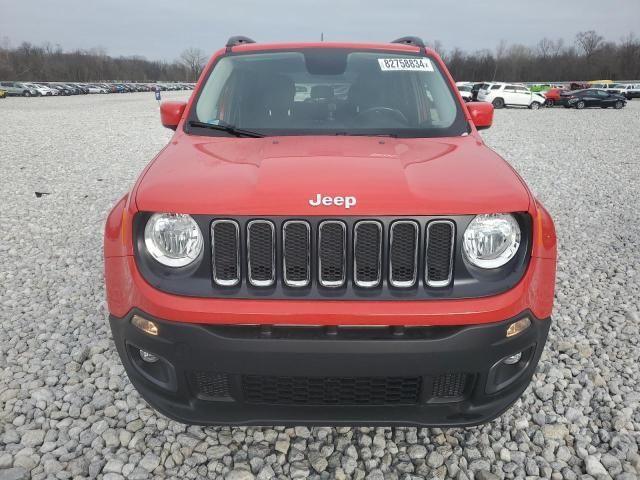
(618, 105)
(498, 103)
(549, 102)
(26, 94)
(580, 105)
(535, 106)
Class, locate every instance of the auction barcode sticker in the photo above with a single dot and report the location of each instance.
(411, 64)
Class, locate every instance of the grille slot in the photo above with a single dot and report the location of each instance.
(449, 385)
(367, 253)
(261, 253)
(332, 253)
(225, 239)
(439, 253)
(280, 390)
(211, 386)
(296, 253)
(403, 254)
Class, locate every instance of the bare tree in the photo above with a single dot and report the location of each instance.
(558, 45)
(588, 42)
(545, 47)
(194, 59)
(500, 51)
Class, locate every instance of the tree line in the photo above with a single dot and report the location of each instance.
(48, 63)
(589, 57)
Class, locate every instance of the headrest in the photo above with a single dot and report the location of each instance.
(322, 91)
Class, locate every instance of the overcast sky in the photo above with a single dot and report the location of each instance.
(161, 29)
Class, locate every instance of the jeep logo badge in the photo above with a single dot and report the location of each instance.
(346, 202)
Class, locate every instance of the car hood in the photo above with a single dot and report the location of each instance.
(280, 175)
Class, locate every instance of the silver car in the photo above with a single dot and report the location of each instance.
(18, 89)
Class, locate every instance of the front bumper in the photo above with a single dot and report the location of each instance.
(279, 375)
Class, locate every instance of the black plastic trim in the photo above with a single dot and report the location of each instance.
(426, 352)
(468, 281)
(410, 40)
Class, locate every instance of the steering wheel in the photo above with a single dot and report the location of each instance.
(393, 112)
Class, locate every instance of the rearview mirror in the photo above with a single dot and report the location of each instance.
(481, 114)
(171, 113)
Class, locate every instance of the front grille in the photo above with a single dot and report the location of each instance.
(280, 390)
(449, 385)
(395, 254)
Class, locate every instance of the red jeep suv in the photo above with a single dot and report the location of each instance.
(326, 239)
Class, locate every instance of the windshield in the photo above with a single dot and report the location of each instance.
(329, 92)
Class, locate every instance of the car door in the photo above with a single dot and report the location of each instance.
(590, 98)
(509, 95)
(606, 98)
(523, 95)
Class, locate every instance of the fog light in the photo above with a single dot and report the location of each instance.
(148, 357)
(518, 327)
(513, 359)
(147, 326)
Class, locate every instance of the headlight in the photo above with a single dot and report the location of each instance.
(173, 239)
(490, 241)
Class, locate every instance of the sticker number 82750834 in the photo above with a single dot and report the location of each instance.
(412, 64)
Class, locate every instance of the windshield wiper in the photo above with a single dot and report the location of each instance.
(223, 127)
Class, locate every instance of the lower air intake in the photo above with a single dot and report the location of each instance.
(449, 385)
(331, 390)
(211, 386)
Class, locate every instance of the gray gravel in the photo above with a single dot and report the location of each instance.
(67, 409)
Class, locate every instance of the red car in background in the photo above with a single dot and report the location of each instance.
(552, 96)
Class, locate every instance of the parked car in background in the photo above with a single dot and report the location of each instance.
(72, 88)
(18, 89)
(476, 88)
(465, 92)
(96, 89)
(592, 97)
(552, 96)
(539, 88)
(51, 91)
(630, 90)
(578, 86)
(3, 93)
(607, 87)
(41, 90)
(510, 94)
(62, 89)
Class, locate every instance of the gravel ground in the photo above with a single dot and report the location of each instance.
(67, 409)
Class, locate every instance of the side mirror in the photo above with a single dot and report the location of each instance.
(481, 114)
(171, 113)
